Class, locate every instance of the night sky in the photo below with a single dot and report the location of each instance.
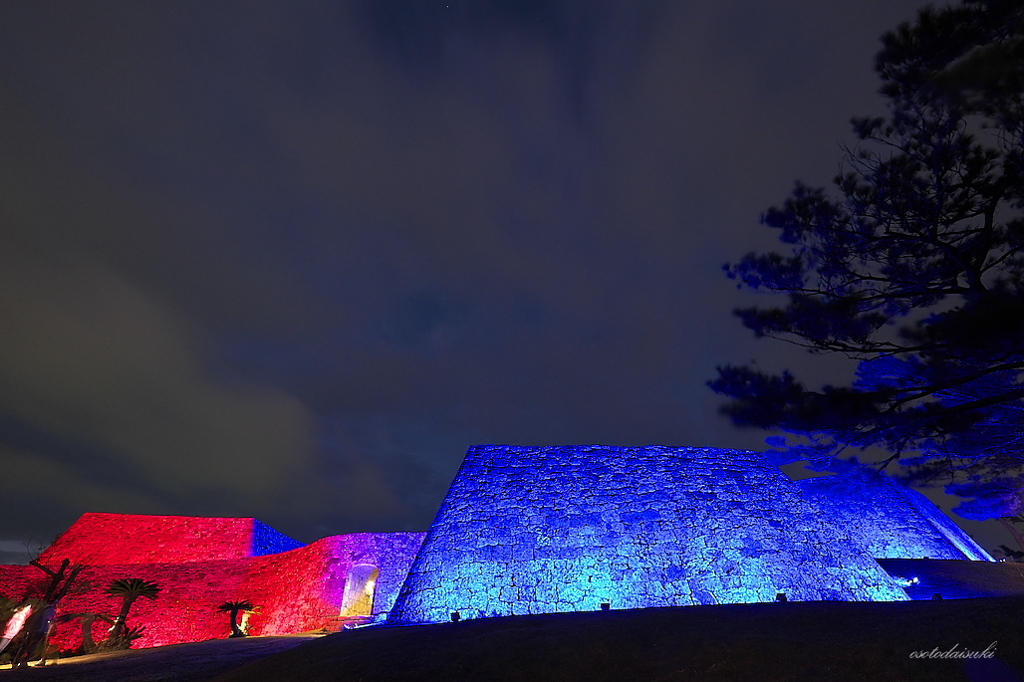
(290, 259)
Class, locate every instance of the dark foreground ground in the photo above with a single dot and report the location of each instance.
(769, 642)
(176, 663)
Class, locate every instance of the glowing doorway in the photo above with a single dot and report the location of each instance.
(359, 586)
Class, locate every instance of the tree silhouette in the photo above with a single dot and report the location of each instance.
(35, 635)
(914, 267)
(87, 619)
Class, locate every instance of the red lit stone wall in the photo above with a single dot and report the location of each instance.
(19, 582)
(111, 539)
(296, 591)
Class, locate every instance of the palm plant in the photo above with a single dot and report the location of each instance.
(129, 589)
(233, 608)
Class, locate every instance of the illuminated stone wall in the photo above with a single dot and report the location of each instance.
(548, 529)
(297, 590)
(111, 539)
(522, 530)
(891, 521)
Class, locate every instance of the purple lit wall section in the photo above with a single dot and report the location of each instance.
(566, 528)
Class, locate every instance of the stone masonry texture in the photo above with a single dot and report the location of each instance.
(889, 520)
(522, 530)
(566, 528)
(199, 563)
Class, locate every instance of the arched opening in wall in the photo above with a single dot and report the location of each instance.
(359, 587)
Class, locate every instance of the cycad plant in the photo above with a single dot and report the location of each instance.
(233, 608)
(129, 589)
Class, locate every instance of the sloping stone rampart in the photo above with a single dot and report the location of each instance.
(111, 539)
(522, 530)
(889, 520)
(567, 528)
(296, 591)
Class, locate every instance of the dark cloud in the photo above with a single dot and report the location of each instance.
(289, 259)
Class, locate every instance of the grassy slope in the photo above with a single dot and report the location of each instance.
(194, 662)
(795, 641)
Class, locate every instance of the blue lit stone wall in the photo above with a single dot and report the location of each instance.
(891, 521)
(565, 528)
(266, 540)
